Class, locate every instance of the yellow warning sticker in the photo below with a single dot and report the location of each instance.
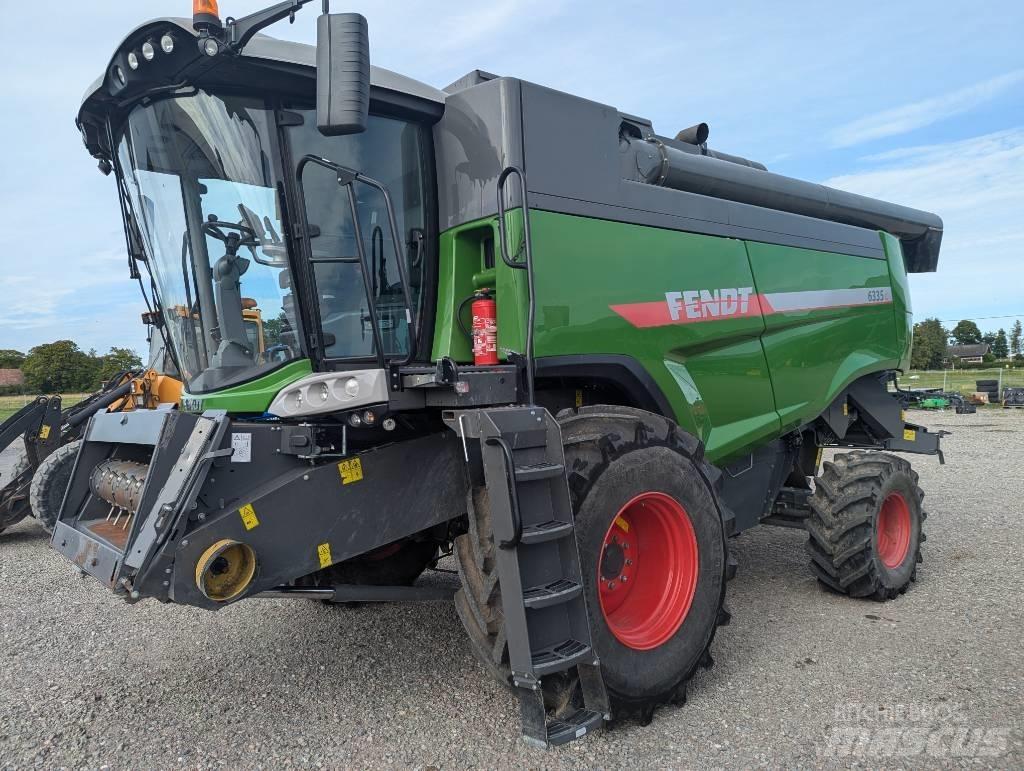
(846, 408)
(323, 551)
(622, 523)
(44, 433)
(351, 471)
(817, 460)
(249, 516)
(909, 435)
(579, 397)
(903, 415)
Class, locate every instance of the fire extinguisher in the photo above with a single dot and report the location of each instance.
(485, 328)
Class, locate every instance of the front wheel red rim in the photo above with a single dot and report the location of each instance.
(648, 571)
(893, 530)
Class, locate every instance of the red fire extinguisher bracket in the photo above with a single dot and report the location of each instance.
(485, 328)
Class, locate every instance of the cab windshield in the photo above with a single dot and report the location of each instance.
(203, 187)
(203, 182)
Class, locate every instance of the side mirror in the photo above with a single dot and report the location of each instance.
(342, 73)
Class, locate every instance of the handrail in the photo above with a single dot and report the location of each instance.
(527, 265)
(510, 473)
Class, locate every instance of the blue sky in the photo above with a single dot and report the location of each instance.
(921, 103)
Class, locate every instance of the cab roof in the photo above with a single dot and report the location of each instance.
(267, 48)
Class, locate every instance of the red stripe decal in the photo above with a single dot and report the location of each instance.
(657, 314)
(715, 307)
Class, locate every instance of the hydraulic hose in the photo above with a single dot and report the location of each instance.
(102, 402)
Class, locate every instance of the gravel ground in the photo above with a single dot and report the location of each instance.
(803, 678)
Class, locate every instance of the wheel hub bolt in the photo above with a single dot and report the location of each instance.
(623, 578)
(629, 562)
(611, 584)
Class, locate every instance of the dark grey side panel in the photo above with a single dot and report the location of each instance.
(572, 154)
(751, 484)
(478, 136)
(574, 166)
(571, 146)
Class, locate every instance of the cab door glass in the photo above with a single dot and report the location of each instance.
(392, 152)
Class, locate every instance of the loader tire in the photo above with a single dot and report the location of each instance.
(618, 458)
(50, 483)
(865, 528)
(14, 505)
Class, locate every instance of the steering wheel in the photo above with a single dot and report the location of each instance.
(243, 235)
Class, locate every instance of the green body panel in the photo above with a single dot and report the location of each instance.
(253, 397)
(714, 375)
(814, 354)
(902, 308)
(735, 382)
(462, 269)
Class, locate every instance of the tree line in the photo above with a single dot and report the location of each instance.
(932, 341)
(63, 367)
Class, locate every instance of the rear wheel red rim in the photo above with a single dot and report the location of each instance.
(893, 530)
(648, 570)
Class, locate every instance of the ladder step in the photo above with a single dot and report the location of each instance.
(564, 730)
(553, 593)
(527, 438)
(557, 658)
(537, 471)
(546, 531)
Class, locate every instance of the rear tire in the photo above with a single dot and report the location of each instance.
(614, 456)
(50, 483)
(865, 529)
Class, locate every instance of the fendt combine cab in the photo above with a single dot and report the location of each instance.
(497, 321)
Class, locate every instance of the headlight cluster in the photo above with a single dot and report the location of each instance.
(148, 51)
(340, 393)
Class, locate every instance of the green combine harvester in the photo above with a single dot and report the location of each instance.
(501, 322)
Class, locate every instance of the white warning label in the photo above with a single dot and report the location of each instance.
(242, 446)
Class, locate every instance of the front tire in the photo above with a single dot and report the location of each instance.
(633, 468)
(630, 465)
(865, 529)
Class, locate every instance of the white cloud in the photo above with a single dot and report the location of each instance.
(908, 117)
(977, 186)
(90, 301)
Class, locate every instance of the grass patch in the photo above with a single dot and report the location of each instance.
(11, 404)
(962, 380)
